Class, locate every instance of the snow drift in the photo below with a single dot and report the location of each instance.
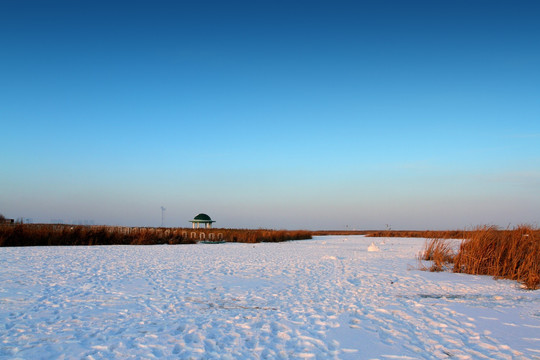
(327, 298)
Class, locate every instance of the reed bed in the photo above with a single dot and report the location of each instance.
(440, 252)
(54, 235)
(509, 254)
(263, 235)
(340, 232)
(428, 234)
(59, 234)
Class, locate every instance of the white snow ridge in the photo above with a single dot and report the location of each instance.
(324, 298)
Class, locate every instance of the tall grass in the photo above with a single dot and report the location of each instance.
(440, 253)
(263, 235)
(56, 234)
(428, 234)
(53, 235)
(509, 254)
(340, 232)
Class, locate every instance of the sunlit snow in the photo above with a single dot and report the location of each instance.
(326, 298)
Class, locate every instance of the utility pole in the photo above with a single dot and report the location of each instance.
(162, 211)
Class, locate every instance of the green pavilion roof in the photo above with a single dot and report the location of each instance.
(202, 218)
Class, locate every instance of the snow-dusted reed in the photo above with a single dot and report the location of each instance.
(327, 298)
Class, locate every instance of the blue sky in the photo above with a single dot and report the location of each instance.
(273, 114)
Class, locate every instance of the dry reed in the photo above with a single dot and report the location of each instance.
(440, 252)
(428, 234)
(509, 254)
(59, 234)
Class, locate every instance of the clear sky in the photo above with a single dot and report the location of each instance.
(273, 114)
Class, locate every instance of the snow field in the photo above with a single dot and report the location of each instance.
(327, 298)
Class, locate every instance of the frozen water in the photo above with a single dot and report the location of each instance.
(327, 298)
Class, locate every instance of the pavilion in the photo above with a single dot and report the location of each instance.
(202, 219)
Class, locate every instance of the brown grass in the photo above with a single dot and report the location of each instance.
(440, 253)
(57, 234)
(340, 232)
(509, 254)
(263, 235)
(428, 234)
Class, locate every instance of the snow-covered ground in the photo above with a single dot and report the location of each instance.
(327, 298)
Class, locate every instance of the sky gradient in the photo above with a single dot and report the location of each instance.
(271, 114)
